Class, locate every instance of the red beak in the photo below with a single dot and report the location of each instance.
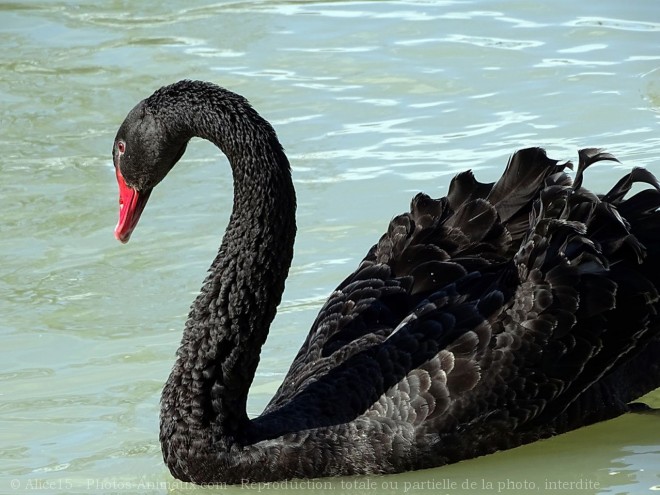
(131, 205)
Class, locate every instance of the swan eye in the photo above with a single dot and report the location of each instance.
(121, 147)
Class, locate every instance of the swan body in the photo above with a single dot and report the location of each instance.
(495, 316)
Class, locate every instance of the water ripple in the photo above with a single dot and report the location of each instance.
(618, 24)
(373, 101)
(480, 41)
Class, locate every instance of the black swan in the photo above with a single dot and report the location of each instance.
(495, 316)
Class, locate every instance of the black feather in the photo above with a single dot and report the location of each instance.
(498, 315)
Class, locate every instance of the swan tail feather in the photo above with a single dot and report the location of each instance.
(586, 268)
(509, 304)
(523, 178)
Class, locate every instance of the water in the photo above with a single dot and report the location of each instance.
(373, 101)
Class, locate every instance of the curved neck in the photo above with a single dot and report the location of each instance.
(204, 401)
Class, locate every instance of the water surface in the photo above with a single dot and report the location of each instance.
(374, 101)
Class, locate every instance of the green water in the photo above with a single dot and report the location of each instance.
(373, 101)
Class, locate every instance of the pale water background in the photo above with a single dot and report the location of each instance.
(373, 101)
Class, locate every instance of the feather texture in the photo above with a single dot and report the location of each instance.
(495, 316)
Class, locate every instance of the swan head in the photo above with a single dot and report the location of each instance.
(146, 148)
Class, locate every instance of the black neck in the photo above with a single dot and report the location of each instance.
(204, 400)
